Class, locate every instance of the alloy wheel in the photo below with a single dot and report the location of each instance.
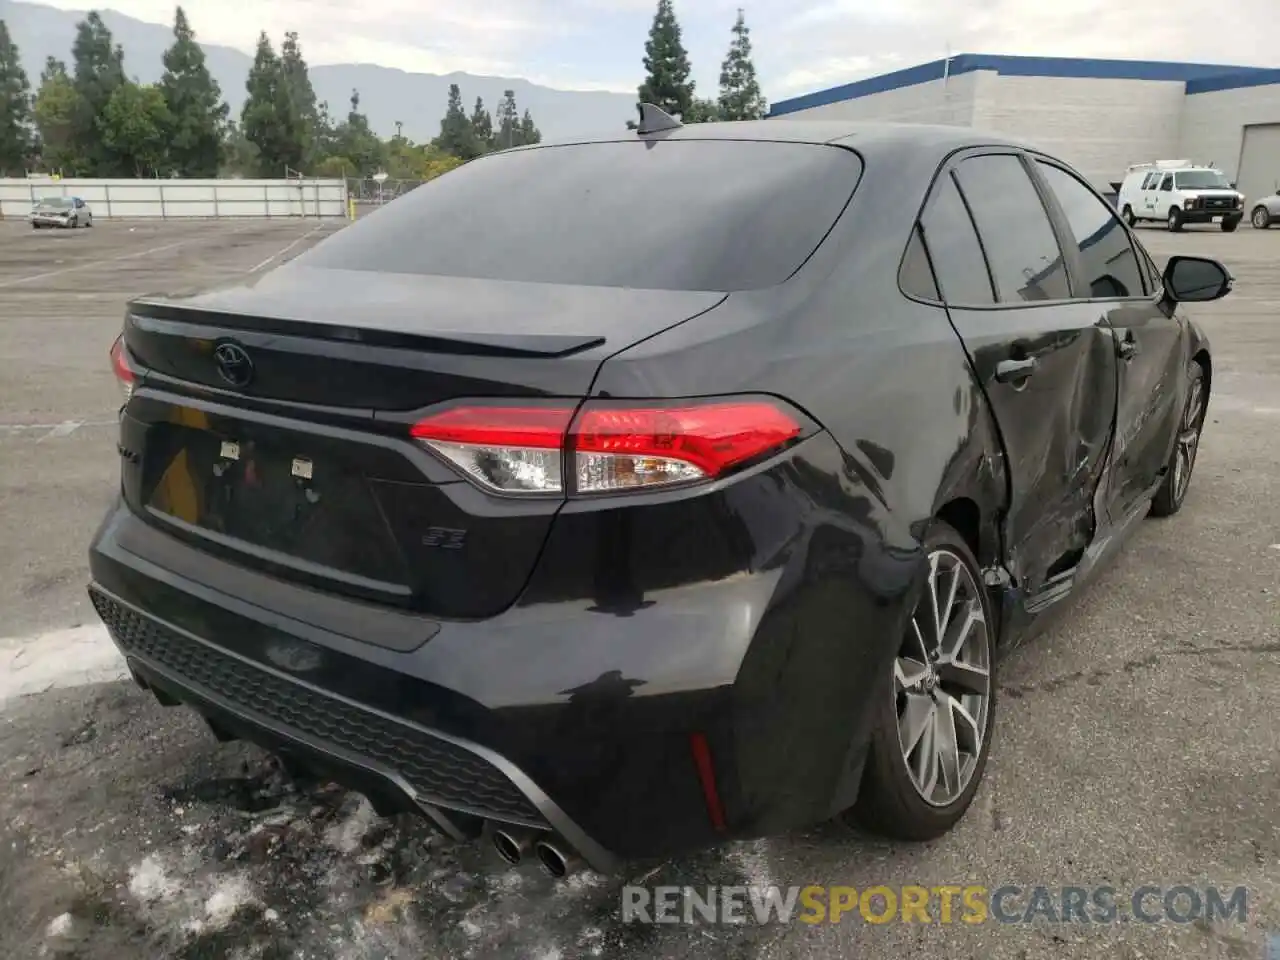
(942, 682)
(1184, 454)
(1260, 218)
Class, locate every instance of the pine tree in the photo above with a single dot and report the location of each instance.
(482, 126)
(528, 132)
(507, 122)
(298, 84)
(99, 72)
(740, 97)
(666, 63)
(456, 135)
(15, 108)
(197, 115)
(270, 118)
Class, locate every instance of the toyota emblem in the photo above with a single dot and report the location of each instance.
(234, 365)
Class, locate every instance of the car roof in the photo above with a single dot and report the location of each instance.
(860, 135)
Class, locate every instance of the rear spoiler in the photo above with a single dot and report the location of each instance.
(157, 317)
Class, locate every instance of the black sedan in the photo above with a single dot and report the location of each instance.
(614, 499)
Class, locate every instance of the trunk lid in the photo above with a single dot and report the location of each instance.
(301, 465)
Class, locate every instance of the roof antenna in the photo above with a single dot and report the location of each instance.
(655, 120)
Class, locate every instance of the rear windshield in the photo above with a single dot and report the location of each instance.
(676, 215)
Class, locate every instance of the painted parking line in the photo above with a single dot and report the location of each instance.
(53, 431)
(280, 253)
(36, 277)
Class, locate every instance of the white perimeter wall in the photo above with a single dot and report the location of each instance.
(933, 102)
(175, 199)
(1097, 126)
(1213, 124)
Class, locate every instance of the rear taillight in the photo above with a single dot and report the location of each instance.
(608, 446)
(120, 367)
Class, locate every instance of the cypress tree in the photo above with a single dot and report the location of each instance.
(15, 108)
(740, 97)
(197, 115)
(666, 63)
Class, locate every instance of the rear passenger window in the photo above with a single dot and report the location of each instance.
(1026, 263)
(1110, 263)
(917, 276)
(954, 248)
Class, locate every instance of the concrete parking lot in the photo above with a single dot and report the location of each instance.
(1137, 741)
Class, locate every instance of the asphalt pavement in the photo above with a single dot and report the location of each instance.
(1137, 741)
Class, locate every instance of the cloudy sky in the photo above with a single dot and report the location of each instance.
(801, 45)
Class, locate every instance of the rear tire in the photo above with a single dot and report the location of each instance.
(1177, 479)
(1175, 220)
(1129, 218)
(1260, 218)
(938, 699)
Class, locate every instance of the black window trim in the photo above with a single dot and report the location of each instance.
(947, 167)
(1063, 227)
(1057, 221)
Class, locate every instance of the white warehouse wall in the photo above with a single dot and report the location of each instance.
(177, 199)
(929, 102)
(1098, 126)
(1213, 123)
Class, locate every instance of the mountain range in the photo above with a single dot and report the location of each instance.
(387, 95)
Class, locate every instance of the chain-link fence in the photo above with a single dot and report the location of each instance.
(368, 191)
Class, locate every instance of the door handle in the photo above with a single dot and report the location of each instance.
(1008, 371)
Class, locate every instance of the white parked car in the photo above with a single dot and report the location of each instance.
(67, 212)
(1266, 211)
(1178, 192)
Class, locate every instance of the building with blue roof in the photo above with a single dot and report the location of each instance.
(1100, 115)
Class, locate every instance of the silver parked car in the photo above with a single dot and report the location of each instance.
(69, 212)
(1266, 212)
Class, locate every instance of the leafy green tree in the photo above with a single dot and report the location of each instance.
(239, 154)
(15, 108)
(56, 106)
(135, 127)
(702, 111)
(99, 72)
(298, 84)
(456, 135)
(270, 117)
(197, 114)
(666, 63)
(357, 144)
(53, 67)
(507, 133)
(529, 133)
(740, 97)
(482, 126)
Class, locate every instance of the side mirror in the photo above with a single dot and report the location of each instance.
(1196, 279)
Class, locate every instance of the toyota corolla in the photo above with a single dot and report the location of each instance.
(614, 499)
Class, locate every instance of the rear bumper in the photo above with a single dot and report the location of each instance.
(578, 711)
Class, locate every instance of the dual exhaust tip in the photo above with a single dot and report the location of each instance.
(556, 860)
